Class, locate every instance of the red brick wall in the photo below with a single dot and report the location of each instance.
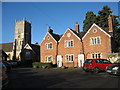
(62, 50)
(104, 47)
(45, 52)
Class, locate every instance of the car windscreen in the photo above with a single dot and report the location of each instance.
(106, 61)
(118, 61)
(88, 61)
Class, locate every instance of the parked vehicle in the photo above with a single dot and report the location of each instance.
(3, 76)
(96, 65)
(114, 68)
(8, 65)
(13, 62)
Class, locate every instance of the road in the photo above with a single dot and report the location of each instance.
(60, 78)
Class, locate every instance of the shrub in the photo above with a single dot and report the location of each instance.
(41, 65)
(45, 65)
(35, 64)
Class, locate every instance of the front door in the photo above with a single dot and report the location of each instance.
(59, 61)
(80, 60)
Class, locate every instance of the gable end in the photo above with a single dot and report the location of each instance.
(98, 28)
(70, 31)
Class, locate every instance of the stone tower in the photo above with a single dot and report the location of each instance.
(22, 36)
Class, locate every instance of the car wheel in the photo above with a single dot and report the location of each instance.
(96, 70)
(85, 70)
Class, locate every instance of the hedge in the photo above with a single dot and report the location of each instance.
(42, 65)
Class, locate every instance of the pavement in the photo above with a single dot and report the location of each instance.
(60, 78)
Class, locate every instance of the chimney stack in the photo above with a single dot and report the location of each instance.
(110, 23)
(77, 27)
(50, 30)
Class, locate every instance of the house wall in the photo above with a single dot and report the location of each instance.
(75, 50)
(32, 56)
(48, 52)
(104, 47)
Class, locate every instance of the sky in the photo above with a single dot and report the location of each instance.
(58, 15)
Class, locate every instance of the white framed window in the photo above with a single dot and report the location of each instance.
(94, 30)
(48, 37)
(69, 43)
(96, 55)
(48, 45)
(95, 40)
(48, 58)
(69, 58)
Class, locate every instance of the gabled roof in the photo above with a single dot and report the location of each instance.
(7, 47)
(97, 27)
(74, 32)
(34, 47)
(2, 53)
(55, 37)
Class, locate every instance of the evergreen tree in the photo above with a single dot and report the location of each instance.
(89, 20)
(102, 18)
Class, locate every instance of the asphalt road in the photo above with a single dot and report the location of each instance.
(60, 78)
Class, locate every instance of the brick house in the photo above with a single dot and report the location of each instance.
(97, 43)
(69, 47)
(49, 47)
(73, 47)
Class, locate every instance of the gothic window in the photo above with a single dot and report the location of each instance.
(18, 36)
(27, 55)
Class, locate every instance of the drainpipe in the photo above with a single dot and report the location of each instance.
(83, 49)
(57, 51)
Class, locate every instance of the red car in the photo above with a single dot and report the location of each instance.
(96, 65)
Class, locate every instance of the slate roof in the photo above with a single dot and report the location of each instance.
(56, 36)
(7, 47)
(80, 34)
(36, 48)
(2, 53)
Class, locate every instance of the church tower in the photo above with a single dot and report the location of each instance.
(22, 36)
